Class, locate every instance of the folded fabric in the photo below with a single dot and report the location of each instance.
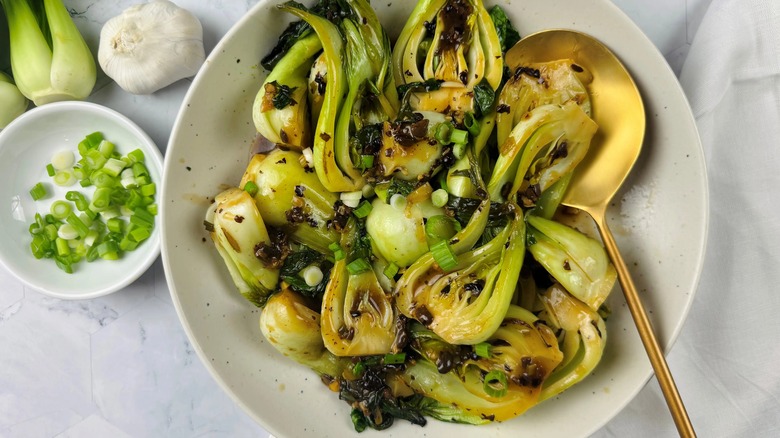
(726, 360)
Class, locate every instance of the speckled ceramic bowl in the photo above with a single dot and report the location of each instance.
(659, 221)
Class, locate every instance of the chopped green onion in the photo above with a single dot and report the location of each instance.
(358, 266)
(94, 139)
(152, 209)
(64, 178)
(142, 218)
(442, 132)
(94, 159)
(38, 191)
(472, 124)
(62, 247)
(78, 199)
(312, 275)
(482, 349)
(496, 384)
(338, 251)
(76, 223)
(39, 246)
(390, 270)
(106, 148)
(115, 225)
(50, 170)
(459, 136)
(366, 162)
(363, 209)
(62, 160)
(139, 170)
(101, 199)
(394, 359)
(64, 263)
(459, 150)
(398, 201)
(439, 197)
(60, 209)
(443, 255)
(102, 178)
(140, 234)
(148, 190)
(113, 167)
(136, 156)
(251, 188)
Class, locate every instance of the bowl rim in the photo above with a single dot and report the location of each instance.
(150, 149)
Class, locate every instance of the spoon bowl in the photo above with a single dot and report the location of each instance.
(618, 110)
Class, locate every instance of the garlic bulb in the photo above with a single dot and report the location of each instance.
(150, 46)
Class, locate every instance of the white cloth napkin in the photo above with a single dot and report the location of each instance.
(727, 360)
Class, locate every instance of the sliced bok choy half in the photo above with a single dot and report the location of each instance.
(545, 145)
(239, 233)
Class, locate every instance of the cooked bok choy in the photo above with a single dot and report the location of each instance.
(240, 235)
(584, 338)
(359, 92)
(577, 261)
(49, 58)
(545, 145)
(291, 197)
(379, 255)
(358, 317)
(497, 380)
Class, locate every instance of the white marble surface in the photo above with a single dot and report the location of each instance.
(121, 366)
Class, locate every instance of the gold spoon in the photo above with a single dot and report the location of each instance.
(620, 115)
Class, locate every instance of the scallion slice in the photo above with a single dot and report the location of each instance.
(443, 255)
(358, 266)
(38, 191)
(363, 209)
(390, 270)
(394, 359)
(482, 349)
(496, 384)
(60, 209)
(251, 188)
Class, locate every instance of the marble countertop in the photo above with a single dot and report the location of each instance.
(121, 365)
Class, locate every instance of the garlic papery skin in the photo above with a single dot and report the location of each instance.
(150, 46)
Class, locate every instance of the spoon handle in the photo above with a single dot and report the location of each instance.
(664, 376)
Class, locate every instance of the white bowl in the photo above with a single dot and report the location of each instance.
(26, 147)
(659, 221)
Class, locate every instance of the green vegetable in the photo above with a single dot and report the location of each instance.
(584, 339)
(577, 261)
(292, 198)
(293, 329)
(451, 43)
(555, 82)
(100, 229)
(49, 57)
(238, 233)
(280, 110)
(358, 317)
(547, 144)
(14, 102)
(399, 237)
(38, 191)
(466, 301)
